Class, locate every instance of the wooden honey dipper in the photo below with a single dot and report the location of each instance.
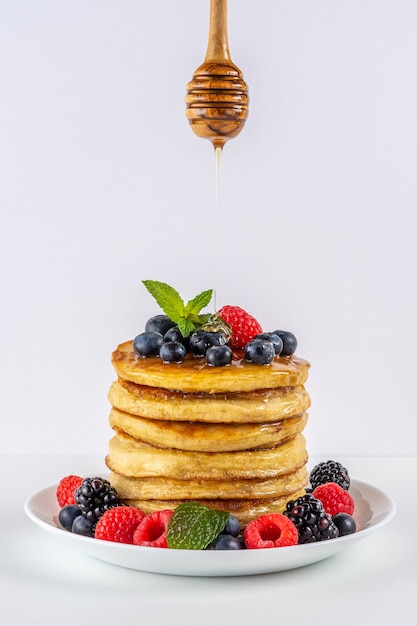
(217, 96)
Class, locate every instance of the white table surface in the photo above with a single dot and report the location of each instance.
(43, 582)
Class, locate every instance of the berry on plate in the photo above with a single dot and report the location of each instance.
(66, 488)
(334, 499)
(67, 515)
(312, 521)
(152, 530)
(272, 530)
(244, 326)
(345, 524)
(119, 524)
(330, 472)
(95, 496)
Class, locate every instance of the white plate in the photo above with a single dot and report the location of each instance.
(373, 509)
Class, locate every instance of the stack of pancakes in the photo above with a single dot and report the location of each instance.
(229, 437)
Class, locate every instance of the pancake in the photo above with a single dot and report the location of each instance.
(194, 375)
(261, 405)
(130, 457)
(204, 437)
(243, 510)
(162, 488)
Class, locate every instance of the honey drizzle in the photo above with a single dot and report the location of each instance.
(218, 155)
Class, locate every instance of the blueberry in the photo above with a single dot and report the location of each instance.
(159, 324)
(225, 542)
(148, 343)
(344, 523)
(259, 351)
(174, 334)
(274, 339)
(232, 526)
(172, 352)
(289, 342)
(219, 355)
(83, 526)
(67, 515)
(202, 339)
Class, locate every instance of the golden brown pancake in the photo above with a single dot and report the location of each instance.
(162, 488)
(130, 457)
(262, 405)
(243, 510)
(204, 437)
(194, 375)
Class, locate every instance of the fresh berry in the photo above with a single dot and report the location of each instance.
(159, 324)
(334, 499)
(330, 472)
(344, 523)
(67, 515)
(66, 488)
(244, 326)
(119, 524)
(152, 530)
(312, 522)
(272, 530)
(148, 344)
(225, 542)
(289, 342)
(232, 526)
(94, 497)
(83, 526)
(219, 355)
(203, 339)
(274, 339)
(174, 334)
(259, 351)
(172, 352)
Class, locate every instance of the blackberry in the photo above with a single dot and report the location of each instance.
(330, 472)
(312, 522)
(94, 497)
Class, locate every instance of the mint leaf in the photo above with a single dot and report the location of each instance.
(195, 305)
(187, 317)
(167, 297)
(193, 526)
(186, 327)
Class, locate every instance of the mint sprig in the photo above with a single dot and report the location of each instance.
(193, 526)
(187, 316)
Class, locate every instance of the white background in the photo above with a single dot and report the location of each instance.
(103, 184)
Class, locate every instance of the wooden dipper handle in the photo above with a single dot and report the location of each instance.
(217, 96)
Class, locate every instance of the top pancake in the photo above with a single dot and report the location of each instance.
(194, 375)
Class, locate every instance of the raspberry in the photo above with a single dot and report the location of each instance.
(94, 497)
(66, 488)
(152, 530)
(312, 521)
(272, 530)
(330, 472)
(334, 499)
(119, 524)
(244, 326)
